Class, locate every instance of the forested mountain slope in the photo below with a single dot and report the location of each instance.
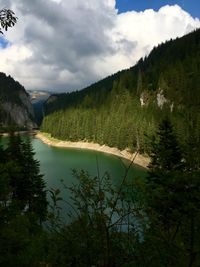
(15, 106)
(123, 109)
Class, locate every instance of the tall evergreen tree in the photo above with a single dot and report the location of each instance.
(165, 153)
(173, 199)
(22, 205)
(166, 163)
(36, 198)
(26, 181)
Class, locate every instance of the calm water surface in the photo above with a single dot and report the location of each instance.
(56, 164)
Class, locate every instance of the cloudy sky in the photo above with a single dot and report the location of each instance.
(63, 45)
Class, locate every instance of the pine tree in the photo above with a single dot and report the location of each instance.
(165, 153)
(22, 205)
(173, 192)
(166, 163)
(36, 197)
(28, 187)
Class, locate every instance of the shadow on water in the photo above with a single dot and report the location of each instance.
(56, 164)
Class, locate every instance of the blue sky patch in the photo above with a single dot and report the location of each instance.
(3, 42)
(191, 6)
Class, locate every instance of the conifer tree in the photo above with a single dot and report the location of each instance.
(22, 205)
(165, 154)
(166, 162)
(173, 200)
(25, 179)
(36, 197)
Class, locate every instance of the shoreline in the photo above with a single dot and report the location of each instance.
(30, 132)
(139, 159)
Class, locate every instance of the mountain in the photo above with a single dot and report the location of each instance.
(124, 109)
(15, 105)
(38, 99)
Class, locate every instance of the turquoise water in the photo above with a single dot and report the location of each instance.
(56, 164)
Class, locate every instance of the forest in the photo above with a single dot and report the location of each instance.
(16, 110)
(124, 109)
(152, 221)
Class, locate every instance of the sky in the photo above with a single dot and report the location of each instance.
(191, 6)
(65, 45)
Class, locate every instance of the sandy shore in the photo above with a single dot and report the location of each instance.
(139, 159)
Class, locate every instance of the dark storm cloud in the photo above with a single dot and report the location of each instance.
(66, 36)
(68, 44)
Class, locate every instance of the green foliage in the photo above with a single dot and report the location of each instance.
(28, 188)
(144, 223)
(165, 155)
(7, 19)
(149, 222)
(123, 109)
(21, 244)
(10, 89)
(106, 224)
(23, 205)
(13, 98)
(173, 202)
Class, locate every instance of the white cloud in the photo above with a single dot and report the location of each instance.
(65, 45)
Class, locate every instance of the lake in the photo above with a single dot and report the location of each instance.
(56, 164)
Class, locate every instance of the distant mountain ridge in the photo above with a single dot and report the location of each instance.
(124, 108)
(38, 98)
(15, 105)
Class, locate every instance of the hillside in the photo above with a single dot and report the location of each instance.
(124, 109)
(15, 106)
(38, 99)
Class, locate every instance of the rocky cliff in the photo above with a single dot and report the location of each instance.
(15, 105)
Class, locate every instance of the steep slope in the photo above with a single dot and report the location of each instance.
(38, 99)
(97, 91)
(123, 109)
(15, 106)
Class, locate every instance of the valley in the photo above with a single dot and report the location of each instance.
(111, 178)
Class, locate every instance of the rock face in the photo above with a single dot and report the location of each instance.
(161, 100)
(15, 105)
